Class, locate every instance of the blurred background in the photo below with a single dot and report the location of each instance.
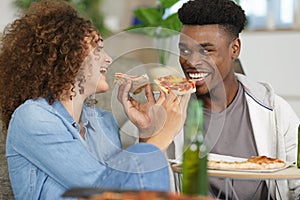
(269, 43)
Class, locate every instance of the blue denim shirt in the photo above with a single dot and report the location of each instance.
(46, 154)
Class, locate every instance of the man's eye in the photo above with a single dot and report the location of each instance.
(184, 51)
(204, 51)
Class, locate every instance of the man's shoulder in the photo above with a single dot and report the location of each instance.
(261, 92)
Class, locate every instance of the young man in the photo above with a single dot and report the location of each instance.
(52, 62)
(242, 118)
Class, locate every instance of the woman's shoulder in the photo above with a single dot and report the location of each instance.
(33, 105)
(34, 114)
(34, 109)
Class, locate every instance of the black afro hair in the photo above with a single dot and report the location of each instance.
(205, 12)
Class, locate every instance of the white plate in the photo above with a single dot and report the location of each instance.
(213, 156)
(218, 157)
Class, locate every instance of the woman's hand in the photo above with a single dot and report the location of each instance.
(158, 121)
(175, 108)
(138, 113)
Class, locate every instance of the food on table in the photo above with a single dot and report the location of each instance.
(253, 163)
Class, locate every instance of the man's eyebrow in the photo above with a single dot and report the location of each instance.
(206, 44)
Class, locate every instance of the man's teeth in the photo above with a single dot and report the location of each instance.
(103, 70)
(198, 75)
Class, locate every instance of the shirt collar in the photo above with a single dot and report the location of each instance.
(58, 106)
(86, 111)
(262, 93)
(88, 116)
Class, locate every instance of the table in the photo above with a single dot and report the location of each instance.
(291, 172)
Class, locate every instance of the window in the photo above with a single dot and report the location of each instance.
(269, 14)
(256, 11)
(263, 14)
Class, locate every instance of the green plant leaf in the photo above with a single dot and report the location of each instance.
(168, 3)
(143, 29)
(135, 27)
(153, 18)
(172, 22)
(166, 33)
(88, 8)
(23, 4)
(149, 16)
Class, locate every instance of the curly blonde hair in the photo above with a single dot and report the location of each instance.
(41, 54)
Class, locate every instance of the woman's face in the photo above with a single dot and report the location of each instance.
(95, 66)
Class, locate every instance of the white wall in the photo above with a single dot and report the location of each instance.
(7, 12)
(273, 57)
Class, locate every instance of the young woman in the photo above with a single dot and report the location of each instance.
(51, 62)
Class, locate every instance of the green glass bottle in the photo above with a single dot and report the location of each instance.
(194, 165)
(298, 157)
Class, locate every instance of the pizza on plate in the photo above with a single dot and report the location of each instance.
(253, 163)
(138, 81)
(179, 85)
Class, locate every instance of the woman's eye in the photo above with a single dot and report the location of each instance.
(98, 48)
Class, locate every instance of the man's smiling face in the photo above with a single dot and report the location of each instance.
(206, 56)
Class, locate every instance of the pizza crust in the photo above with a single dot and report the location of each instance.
(138, 81)
(253, 163)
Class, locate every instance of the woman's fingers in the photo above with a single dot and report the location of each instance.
(124, 97)
(149, 94)
(184, 104)
(161, 98)
(123, 92)
(171, 97)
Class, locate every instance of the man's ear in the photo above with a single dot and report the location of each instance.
(236, 48)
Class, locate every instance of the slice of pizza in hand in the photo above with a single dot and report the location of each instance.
(179, 85)
(138, 81)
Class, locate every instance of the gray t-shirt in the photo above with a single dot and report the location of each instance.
(230, 133)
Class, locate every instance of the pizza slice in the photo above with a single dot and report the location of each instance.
(179, 85)
(138, 81)
(253, 163)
